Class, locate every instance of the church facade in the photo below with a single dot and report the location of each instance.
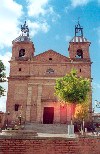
(32, 78)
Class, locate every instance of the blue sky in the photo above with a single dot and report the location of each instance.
(51, 24)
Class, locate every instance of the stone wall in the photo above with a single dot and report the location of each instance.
(50, 146)
(2, 119)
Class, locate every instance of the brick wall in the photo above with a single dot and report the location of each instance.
(31, 85)
(2, 119)
(50, 146)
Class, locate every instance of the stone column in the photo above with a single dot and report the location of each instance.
(28, 106)
(39, 103)
(57, 113)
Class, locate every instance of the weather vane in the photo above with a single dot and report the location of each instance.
(25, 29)
(78, 29)
(78, 20)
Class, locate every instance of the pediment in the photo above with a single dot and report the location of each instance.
(50, 56)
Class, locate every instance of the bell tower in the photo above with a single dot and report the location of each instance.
(23, 47)
(79, 45)
(80, 57)
(22, 54)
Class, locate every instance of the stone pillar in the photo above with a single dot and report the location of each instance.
(57, 113)
(39, 103)
(28, 106)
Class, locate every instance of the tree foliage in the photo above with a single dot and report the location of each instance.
(81, 112)
(2, 77)
(72, 89)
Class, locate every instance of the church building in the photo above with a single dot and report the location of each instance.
(32, 78)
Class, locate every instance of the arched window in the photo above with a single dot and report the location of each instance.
(79, 53)
(21, 52)
(50, 71)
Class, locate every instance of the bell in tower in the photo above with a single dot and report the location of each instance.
(79, 45)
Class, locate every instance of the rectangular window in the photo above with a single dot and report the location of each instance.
(16, 107)
(19, 69)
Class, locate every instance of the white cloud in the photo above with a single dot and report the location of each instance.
(37, 7)
(35, 27)
(3, 103)
(68, 38)
(67, 8)
(5, 58)
(57, 37)
(97, 30)
(43, 13)
(96, 85)
(10, 12)
(76, 3)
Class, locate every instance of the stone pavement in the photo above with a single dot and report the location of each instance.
(47, 128)
(32, 130)
(43, 135)
(52, 130)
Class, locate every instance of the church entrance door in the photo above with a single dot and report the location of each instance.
(48, 115)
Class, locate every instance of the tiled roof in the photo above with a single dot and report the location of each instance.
(79, 39)
(22, 39)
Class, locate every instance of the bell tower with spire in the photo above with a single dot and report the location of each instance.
(79, 55)
(22, 54)
(23, 47)
(79, 45)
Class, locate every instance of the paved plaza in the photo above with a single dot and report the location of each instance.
(47, 128)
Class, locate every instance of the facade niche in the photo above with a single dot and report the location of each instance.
(20, 69)
(16, 107)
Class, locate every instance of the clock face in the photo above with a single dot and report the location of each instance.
(21, 52)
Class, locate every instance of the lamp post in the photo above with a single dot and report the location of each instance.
(20, 119)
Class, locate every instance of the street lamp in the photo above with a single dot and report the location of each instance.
(97, 104)
(20, 118)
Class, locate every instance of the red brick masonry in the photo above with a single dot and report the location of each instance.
(50, 146)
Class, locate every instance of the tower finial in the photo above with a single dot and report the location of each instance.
(78, 29)
(25, 29)
(78, 20)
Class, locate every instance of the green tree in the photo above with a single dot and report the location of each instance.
(72, 89)
(81, 112)
(2, 77)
